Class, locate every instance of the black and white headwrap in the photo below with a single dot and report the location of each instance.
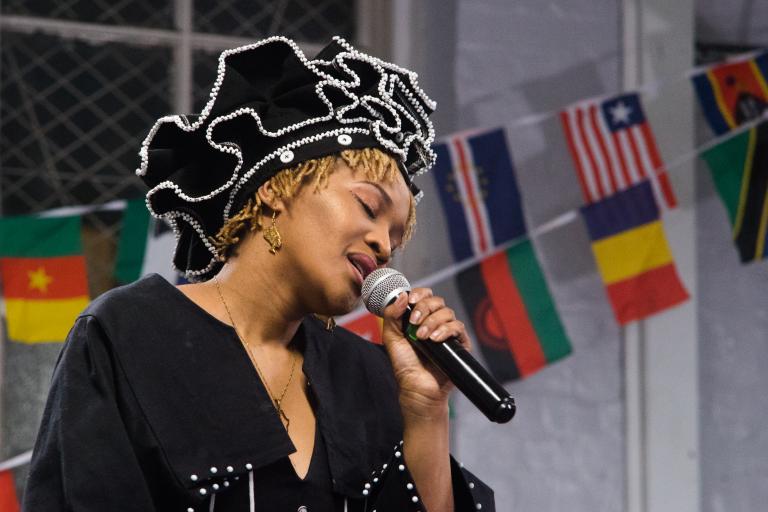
(271, 108)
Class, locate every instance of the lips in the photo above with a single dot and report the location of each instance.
(363, 263)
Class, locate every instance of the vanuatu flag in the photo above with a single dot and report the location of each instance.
(739, 168)
(733, 93)
(632, 254)
(512, 313)
(43, 276)
(478, 192)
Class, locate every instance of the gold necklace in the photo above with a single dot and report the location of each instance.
(277, 401)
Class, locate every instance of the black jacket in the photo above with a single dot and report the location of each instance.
(150, 392)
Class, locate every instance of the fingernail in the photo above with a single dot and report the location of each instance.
(412, 299)
(422, 332)
(437, 333)
(415, 316)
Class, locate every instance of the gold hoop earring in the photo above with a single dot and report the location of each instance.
(272, 236)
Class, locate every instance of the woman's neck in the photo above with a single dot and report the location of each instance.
(261, 309)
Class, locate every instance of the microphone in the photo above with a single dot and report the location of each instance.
(380, 289)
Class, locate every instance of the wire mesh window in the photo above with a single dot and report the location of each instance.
(304, 20)
(140, 13)
(77, 99)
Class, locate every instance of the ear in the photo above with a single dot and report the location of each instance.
(270, 198)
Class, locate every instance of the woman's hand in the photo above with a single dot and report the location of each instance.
(424, 389)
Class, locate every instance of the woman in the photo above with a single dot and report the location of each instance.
(229, 394)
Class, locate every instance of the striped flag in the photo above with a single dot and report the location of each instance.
(512, 313)
(367, 326)
(478, 192)
(733, 93)
(43, 276)
(146, 246)
(613, 148)
(739, 168)
(632, 254)
(9, 502)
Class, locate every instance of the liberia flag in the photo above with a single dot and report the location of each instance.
(733, 93)
(43, 274)
(478, 192)
(613, 148)
(632, 254)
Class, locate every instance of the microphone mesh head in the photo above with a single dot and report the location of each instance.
(381, 287)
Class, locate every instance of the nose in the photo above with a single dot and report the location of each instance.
(379, 242)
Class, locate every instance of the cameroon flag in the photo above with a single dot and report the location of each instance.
(632, 254)
(512, 313)
(739, 168)
(43, 277)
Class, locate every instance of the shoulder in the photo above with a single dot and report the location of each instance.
(149, 291)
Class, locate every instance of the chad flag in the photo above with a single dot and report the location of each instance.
(43, 277)
(632, 254)
(733, 93)
(512, 313)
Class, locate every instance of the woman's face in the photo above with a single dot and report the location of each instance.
(334, 237)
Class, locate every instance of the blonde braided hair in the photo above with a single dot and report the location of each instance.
(375, 165)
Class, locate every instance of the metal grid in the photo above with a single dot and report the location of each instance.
(304, 20)
(140, 13)
(82, 81)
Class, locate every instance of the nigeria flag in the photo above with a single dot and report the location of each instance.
(146, 246)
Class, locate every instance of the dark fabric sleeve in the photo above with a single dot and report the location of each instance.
(83, 458)
(391, 489)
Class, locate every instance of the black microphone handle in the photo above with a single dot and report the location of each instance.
(465, 372)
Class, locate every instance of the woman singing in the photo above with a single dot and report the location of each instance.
(230, 394)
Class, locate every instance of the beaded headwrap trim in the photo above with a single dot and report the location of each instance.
(353, 100)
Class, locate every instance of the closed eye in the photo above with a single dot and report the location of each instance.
(368, 210)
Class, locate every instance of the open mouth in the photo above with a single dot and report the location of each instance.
(363, 264)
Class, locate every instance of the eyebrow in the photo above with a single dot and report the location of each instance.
(383, 192)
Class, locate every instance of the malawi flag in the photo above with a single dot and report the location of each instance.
(739, 168)
(512, 313)
(43, 276)
(9, 502)
(146, 246)
(733, 93)
(632, 254)
(478, 192)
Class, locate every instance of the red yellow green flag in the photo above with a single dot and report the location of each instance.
(43, 277)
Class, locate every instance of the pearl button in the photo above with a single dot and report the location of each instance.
(415, 499)
(367, 486)
(203, 492)
(230, 469)
(471, 485)
(365, 492)
(249, 466)
(344, 139)
(397, 454)
(226, 484)
(401, 467)
(409, 486)
(286, 156)
(478, 506)
(214, 470)
(384, 466)
(193, 478)
(190, 509)
(375, 480)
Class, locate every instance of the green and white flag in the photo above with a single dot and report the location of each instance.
(146, 246)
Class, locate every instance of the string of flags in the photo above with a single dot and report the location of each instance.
(625, 187)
